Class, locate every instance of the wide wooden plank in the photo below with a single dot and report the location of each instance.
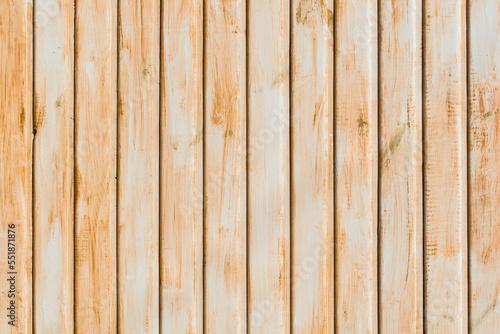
(53, 198)
(356, 166)
(15, 160)
(445, 166)
(400, 167)
(138, 166)
(312, 120)
(181, 265)
(484, 163)
(225, 166)
(268, 167)
(95, 166)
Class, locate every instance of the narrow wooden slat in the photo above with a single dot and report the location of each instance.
(400, 177)
(15, 161)
(445, 166)
(484, 163)
(95, 166)
(225, 166)
(182, 168)
(312, 106)
(53, 167)
(268, 167)
(356, 166)
(138, 166)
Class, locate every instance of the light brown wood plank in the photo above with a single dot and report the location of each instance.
(268, 183)
(445, 166)
(15, 158)
(53, 198)
(138, 166)
(356, 166)
(312, 78)
(182, 168)
(484, 163)
(400, 167)
(225, 167)
(95, 166)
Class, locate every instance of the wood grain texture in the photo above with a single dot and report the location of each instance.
(15, 160)
(356, 166)
(181, 217)
(367, 184)
(225, 167)
(95, 166)
(445, 166)
(268, 166)
(312, 161)
(400, 167)
(53, 187)
(138, 166)
(484, 166)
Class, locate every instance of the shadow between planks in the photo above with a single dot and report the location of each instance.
(231, 166)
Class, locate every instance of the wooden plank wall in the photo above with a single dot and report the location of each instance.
(445, 166)
(311, 140)
(224, 167)
(400, 167)
(484, 167)
(53, 166)
(181, 172)
(138, 166)
(356, 157)
(95, 166)
(268, 166)
(247, 166)
(16, 158)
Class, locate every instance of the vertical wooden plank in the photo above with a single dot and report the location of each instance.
(312, 106)
(53, 167)
(95, 166)
(225, 166)
(400, 177)
(182, 167)
(445, 166)
(268, 167)
(484, 163)
(15, 158)
(356, 166)
(138, 166)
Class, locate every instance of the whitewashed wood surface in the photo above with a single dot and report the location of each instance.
(356, 166)
(400, 167)
(445, 166)
(311, 140)
(181, 174)
(138, 166)
(53, 166)
(268, 166)
(250, 166)
(484, 166)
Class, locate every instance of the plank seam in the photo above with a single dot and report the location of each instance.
(467, 178)
(33, 314)
(160, 165)
(117, 165)
(424, 179)
(379, 190)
